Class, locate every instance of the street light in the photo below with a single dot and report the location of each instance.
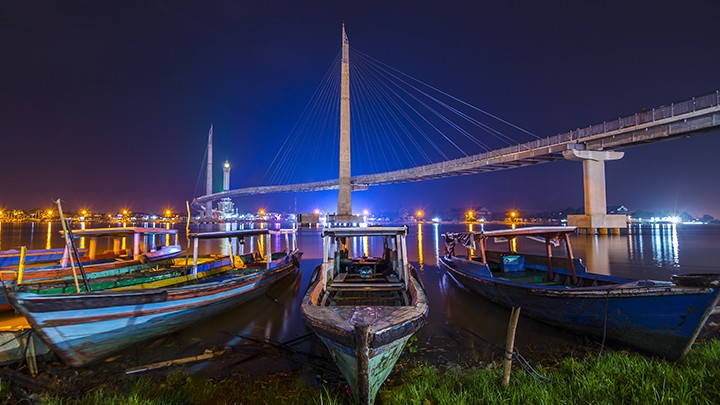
(470, 215)
(419, 214)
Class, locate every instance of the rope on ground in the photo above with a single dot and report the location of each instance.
(530, 370)
(602, 344)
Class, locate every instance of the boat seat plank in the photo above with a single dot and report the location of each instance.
(365, 286)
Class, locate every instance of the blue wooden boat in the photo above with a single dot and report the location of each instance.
(84, 327)
(11, 257)
(364, 309)
(656, 317)
(147, 245)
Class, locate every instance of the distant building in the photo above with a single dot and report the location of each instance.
(617, 209)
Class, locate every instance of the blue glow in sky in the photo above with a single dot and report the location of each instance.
(108, 104)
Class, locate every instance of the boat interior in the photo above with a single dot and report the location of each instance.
(365, 280)
(533, 269)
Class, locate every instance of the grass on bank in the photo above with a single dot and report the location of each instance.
(616, 377)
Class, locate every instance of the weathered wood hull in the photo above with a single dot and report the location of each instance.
(12, 257)
(654, 317)
(365, 341)
(83, 328)
(101, 265)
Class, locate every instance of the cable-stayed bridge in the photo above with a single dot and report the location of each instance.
(592, 145)
(666, 122)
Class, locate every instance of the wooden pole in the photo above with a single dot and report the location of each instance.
(187, 223)
(510, 345)
(571, 258)
(548, 249)
(21, 265)
(68, 247)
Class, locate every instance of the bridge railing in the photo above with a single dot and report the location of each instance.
(643, 117)
(646, 116)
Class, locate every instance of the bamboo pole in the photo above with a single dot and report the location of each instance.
(68, 247)
(21, 264)
(510, 345)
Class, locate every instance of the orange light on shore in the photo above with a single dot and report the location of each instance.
(419, 213)
(168, 213)
(261, 211)
(317, 211)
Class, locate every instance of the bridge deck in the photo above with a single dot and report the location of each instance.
(692, 116)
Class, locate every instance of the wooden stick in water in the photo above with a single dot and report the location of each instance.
(510, 345)
(68, 247)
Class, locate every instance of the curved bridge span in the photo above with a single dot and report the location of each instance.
(685, 118)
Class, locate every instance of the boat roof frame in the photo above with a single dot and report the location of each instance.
(117, 232)
(342, 232)
(529, 231)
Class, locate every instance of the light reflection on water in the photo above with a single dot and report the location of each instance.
(460, 324)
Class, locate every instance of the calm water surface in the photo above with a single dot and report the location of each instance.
(461, 326)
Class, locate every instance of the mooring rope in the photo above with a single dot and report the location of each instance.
(529, 368)
(602, 343)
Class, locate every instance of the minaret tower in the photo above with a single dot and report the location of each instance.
(344, 211)
(226, 176)
(225, 206)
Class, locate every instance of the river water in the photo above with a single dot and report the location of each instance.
(461, 326)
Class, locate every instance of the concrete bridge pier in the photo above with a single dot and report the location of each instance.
(596, 219)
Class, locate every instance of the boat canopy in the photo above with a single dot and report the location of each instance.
(545, 231)
(547, 234)
(119, 232)
(240, 233)
(365, 231)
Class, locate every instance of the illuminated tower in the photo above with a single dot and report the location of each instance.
(344, 211)
(225, 206)
(226, 176)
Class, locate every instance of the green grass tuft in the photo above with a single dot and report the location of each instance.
(615, 377)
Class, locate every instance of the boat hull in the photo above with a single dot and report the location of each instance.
(83, 328)
(380, 362)
(12, 257)
(365, 341)
(658, 318)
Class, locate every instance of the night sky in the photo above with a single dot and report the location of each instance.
(108, 104)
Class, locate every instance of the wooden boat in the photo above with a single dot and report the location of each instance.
(85, 327)
(11, 257)
(656, 317)
(145, 249)
(364, 309)
(111, 263)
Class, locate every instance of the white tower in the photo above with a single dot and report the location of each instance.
(226, 176)
(225, 206)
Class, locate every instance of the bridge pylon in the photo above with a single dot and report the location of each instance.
(596, 219)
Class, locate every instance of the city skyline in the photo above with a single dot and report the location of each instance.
(106, 118)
